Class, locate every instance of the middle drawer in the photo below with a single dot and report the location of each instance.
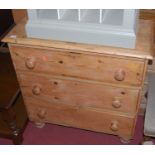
(79, 92)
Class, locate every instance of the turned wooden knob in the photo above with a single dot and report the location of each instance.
(30, 63)
(114, 126)
(119, 75)
(41, 114)
(36, 90)
(116, 103)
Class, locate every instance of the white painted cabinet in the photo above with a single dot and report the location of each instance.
(110, 27)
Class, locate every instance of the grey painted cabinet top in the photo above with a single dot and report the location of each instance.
(111, 27)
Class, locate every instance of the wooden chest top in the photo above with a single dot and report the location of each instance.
(144, 45)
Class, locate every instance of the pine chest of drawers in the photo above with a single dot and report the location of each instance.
(91, 87)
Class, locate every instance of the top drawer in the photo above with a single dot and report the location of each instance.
(86, 66)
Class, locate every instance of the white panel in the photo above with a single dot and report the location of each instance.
(70, 15)
(61, 13)
(128, 17)
(32, 14)
(90, 15)
(101, 14)
(113, 17)
(82, 13)
(47, 14)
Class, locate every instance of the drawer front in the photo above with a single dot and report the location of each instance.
(85, 118)
(84, 66)
(80, 93)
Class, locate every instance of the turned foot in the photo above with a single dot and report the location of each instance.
(125, 140)
(17, 139)
(39, 124)
(9, 117)
(147, 141)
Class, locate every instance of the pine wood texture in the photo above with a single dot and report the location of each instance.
(97, 88)
(92, 67)
(79, 93)
(19, 14)
(149, 14)
(85, 118)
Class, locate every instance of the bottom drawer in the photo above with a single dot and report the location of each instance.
(80, 117)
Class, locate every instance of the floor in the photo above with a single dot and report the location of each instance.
(55, 134)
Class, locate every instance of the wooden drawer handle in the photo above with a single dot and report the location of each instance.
(119, 75)
(30, 63)
(36, 90)
(114, 126)
(116, 103)
(41, 114)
